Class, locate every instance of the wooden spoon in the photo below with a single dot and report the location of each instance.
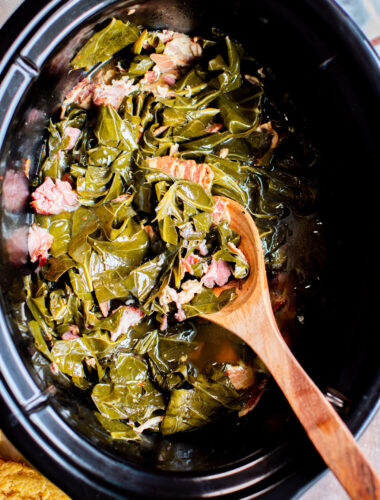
(251, 318)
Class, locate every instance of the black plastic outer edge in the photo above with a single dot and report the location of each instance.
(12, 89)
(60, 24)
(17, 420)
(37, 11)
(357, 43)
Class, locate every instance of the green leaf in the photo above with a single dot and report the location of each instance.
(191, 408)
(113, 132)
(195, 195)
(115, 217)
(131, 395)
(240, 110)
(118, 429)
(57, 266)
(140, 65)
(71, 356)
(225, 185)
(207, 302)
(39, 340)
(168, 205)
(59, 307)
(240, 268)
(230, 78)
(102, 156)
(168, 231)
(110, 285)
(142, 280)
(104, 44)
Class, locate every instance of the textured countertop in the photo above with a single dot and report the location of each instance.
(367, 15)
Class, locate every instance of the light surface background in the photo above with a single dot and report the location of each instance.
(367, 15)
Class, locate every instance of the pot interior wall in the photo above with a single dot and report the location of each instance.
(340, 328)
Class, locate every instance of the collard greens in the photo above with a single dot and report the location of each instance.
(111, 308)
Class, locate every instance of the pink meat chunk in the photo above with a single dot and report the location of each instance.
(132, 315)
(182, 50)
(202, 247)
(193, 259)
(167, 296)
(217, 274)
(199, 173)
(220, 211)
(241, 376)
(17, 246)
(159, 84)
(54, 198)
(164, 322)
(39, 243)
(84, 93)
(81, 94)
(164, 62)
(73, 134)
(72, 333)
(188, 263)
(190, 288)
(169, 78)
(180, 315)
(15, 191)
(165, 36)
(69, 336)
(105, 307)
(150, 77)
(113, 95)
(212, 128)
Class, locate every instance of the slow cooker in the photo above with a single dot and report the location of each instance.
(332, 74)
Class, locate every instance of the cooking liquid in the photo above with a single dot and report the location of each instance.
(217, 345)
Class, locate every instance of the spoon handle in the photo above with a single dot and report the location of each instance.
(327, 431)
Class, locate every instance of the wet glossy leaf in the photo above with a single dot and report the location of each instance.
(191, 408)
(118, 429)
(39, 339)
(140, 65)
(131, 395)
(142, 280)
(207, 302)
(112, 131)
(105, 44)
(239, 109)
(110, 285)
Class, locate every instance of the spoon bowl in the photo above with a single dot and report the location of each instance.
(251, 318)
(254, 289)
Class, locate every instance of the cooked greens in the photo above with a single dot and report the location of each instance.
(128, 207)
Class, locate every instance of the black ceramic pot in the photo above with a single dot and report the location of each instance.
(333, 77)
